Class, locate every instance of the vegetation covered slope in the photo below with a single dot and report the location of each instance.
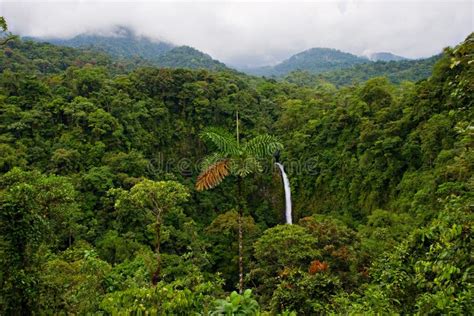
(35, 58)
(190, 58)
(124, 46)
(314, 61)
(385, 56)
(395, 71)
(121, 43)
(98, 211)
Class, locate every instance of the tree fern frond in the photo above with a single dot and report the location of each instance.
(245, 166)
(262, 146)
(223, 140)
(211, 159)
(213, 175)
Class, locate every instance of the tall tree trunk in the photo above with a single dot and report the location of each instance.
(241, 241)
(156, 275)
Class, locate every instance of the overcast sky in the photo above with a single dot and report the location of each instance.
(257, 33)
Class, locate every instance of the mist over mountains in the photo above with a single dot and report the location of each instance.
(123, 42)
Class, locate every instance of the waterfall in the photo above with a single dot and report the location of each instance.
(286, 184)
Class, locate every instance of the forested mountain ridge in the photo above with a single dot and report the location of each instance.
(385, 56)
(314, 60)
(125, 45)
(341, 68)
(122, 42)
(382, 179)
(395, 71)
(45, 59)
(188, 57)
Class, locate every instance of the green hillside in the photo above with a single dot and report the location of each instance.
(314, 61)
(124, 45)
(121, 43)
(395, 71)
(385, 56)
(190, 58)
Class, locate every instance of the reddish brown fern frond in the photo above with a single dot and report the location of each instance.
(213, 175)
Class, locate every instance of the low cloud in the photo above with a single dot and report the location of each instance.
(258, 33)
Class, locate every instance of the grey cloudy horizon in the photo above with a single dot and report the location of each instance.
(258, 33)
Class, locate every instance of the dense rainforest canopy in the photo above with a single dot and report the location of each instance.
(99, 211)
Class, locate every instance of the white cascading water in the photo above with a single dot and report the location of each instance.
(286, 184)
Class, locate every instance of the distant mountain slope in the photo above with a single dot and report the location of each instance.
(188, 57)
(314, 60)
(385, 56)
(124, 44)
(395, 71)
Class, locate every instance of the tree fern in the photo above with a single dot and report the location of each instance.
(211, 159)
(235, 158)
(262, 146)
(221, 139)
(243, 166)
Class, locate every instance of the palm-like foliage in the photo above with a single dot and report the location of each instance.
(213, 175)
(232, 157)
